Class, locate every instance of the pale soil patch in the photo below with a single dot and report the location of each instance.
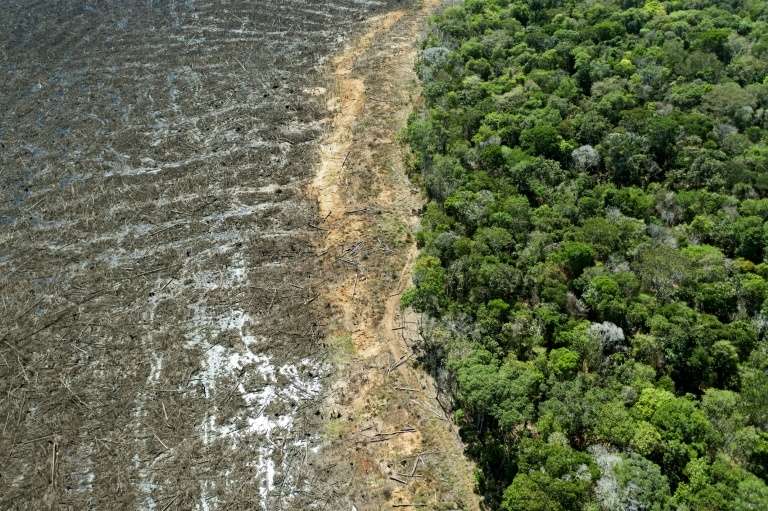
(390, 443)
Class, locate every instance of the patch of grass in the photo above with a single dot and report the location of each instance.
(392, 230)
(336, 428)
(343, 347)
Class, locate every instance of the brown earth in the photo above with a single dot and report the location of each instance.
(390, 442)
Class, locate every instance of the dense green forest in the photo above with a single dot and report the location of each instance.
(594, 253)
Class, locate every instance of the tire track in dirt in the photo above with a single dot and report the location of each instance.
(389, 442)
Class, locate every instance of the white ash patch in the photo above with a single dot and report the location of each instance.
(282, 385)
(145, 475)
(315, 91)
(237, 211)
(233, 276)
(218, 241)
(270, 188)
(265, 466)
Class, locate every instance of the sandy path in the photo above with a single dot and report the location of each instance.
(390, 442)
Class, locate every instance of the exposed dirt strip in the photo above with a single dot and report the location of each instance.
(390, 443)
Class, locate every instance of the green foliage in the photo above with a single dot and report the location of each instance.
(594, 249)
(720, 485)
(429, 293)
(551, 477)
(541, 140)
(574, 257)
(500, 392)
(563, 362)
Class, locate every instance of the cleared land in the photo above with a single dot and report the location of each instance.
(390, 440)
(162, 321)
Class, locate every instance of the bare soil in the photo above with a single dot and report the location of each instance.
(390, 442)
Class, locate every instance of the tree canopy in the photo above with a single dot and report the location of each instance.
(594, 253)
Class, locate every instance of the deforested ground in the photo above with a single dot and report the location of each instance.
(390, 441)
(162, 323)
